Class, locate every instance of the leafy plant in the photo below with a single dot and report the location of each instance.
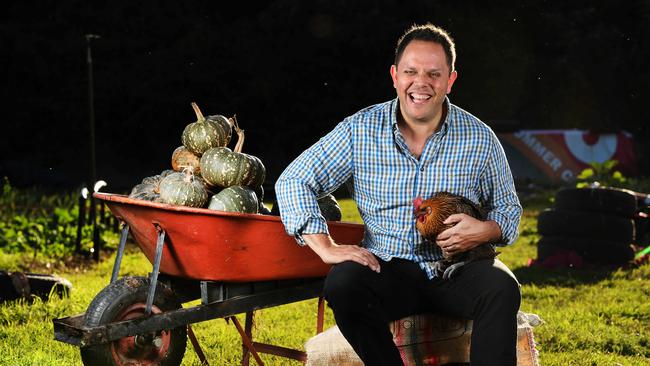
(601, 174)
(33, 222)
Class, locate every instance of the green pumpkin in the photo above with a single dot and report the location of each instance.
(206, 133)
(259, 175)
(149, 188)
(184, 189)
(223, 167)
(329, 208)
(235, 199)
(259, 192)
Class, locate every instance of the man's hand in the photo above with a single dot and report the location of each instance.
(466, 234)
(332, 253)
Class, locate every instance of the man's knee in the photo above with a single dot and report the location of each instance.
(344, 284)
(511, 292)
(505, 288)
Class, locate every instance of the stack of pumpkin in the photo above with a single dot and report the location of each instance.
(204, 165)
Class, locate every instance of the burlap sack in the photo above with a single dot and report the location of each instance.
(423, 340)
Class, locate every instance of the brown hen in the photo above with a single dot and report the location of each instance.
(430, 216)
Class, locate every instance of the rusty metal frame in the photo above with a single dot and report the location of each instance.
(218, 300)
(71, 329)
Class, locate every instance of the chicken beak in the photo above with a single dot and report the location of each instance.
(421, 215)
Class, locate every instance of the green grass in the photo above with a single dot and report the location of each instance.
(592, 317)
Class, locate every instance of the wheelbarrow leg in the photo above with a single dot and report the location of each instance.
(197, 346)
(247, 341)
(120, 252)
(248, 329)
(153, 281)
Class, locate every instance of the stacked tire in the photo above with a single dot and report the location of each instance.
(595, 223)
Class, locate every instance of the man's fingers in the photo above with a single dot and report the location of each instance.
(446, 234)
(452, 219)
(371, 260)
(451, 249)
(361, 256)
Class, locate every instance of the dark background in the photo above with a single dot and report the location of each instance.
(291, 70)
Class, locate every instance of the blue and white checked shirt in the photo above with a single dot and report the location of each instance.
(368, 152)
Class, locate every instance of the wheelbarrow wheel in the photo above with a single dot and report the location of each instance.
(126, 299)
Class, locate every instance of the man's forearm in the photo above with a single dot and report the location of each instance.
(319, 243)
(492, 232)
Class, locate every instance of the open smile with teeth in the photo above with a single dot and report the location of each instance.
(418, 98)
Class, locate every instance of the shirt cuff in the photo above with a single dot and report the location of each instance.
(508, 234)
(312, 225)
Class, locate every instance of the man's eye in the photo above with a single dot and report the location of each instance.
(435, 74)
(409, 72)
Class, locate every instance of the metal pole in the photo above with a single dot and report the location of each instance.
(81, 219)
(97, 243)
(153, 279)
(91, 122)
(96, 236)
(91, 108)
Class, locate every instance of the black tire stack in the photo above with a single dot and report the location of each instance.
(595, 223)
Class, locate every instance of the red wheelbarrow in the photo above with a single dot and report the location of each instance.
(235, 263)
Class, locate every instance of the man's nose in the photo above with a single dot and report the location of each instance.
(421, 78)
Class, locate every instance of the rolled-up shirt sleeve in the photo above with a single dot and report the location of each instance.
(319, 170)
(498, 191)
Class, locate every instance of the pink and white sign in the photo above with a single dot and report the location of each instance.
(560, 155)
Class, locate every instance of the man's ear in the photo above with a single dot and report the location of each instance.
(450, 82)
(393, 75)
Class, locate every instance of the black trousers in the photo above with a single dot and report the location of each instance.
(364, 302)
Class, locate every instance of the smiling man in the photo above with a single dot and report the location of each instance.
(388, 154)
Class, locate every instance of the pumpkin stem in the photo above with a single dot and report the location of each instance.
(233, 122)
(240, 140)
(199, 115)
(240, 134)
(189, 172)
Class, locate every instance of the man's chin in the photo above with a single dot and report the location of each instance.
(421, 116)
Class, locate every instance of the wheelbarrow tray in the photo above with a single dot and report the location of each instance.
(205, 244)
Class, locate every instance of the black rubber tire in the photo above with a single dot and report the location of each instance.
(117, 297)
(587, 225)
(593, 251)
(642, 226)
(605, 200)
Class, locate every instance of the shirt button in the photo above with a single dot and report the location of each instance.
(421, 169)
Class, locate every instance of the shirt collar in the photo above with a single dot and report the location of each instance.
(445, 123)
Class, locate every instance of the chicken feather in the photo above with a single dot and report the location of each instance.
(430, 216)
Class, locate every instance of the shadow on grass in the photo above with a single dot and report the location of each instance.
(562, 277)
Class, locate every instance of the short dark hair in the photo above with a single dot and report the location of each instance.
(429, 33)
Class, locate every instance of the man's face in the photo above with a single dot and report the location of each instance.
(422, 81)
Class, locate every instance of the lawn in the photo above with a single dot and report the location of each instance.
(592, 317)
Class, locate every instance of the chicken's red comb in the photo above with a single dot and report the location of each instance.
(417, 202)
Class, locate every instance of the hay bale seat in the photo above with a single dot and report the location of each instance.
(423, 340)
